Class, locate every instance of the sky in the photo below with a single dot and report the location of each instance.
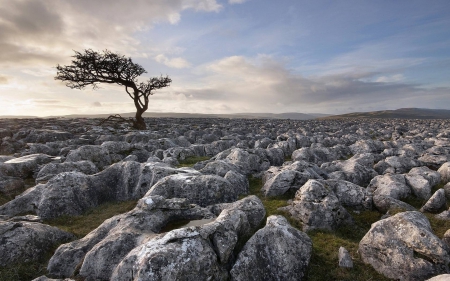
(231, 56)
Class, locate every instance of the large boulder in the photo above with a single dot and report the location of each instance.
(217, 167)
(420, 186)
(317, 155)
(72, 193)
(434, 161)
(247, 163)
(276, 252)
(401, 164)
(392, 185)
(23, 241)
(25, 166)
(203, 190)
(317, 207)
(385, 203)
(193, 253)
(238, 181)
(404, 247)
(350, 194)
(279, 180)
(433, 177)
(367, 146)
(444, 171)
(52, 169)
(99, 252)
(101, 155)
(357, 169)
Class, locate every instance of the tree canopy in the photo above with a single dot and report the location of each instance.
(92, 68)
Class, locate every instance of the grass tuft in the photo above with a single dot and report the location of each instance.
(191, 161)
(83, 224)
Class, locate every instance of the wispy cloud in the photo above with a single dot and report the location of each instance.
(173, 62)
(236, 1)
(265, 84)
(28, 28)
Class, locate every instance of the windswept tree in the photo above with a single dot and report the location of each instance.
(93, 68)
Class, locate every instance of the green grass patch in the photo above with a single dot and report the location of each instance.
(191, 161)
(24, 271)
(324, 263)
(83, 224)
(27, 270)
(6, 197)
(439, 226)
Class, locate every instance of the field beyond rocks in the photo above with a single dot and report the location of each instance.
(225, 199)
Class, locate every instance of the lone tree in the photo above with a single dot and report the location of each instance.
(92, 68)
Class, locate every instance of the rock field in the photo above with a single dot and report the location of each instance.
(327, 172)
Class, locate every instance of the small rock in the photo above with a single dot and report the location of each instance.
(345, 260)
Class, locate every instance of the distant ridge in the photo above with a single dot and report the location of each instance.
(290, 115)
(401, 113)
(17, 116)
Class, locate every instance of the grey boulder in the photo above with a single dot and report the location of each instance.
(395, 246)
(52, 169)
(436, 203)
(203, 190)
(193, 253)
(23, 241)
(279, 180)
(444, 171)
(25, 166)
(276, 252)
(99, 252)
(317, 207)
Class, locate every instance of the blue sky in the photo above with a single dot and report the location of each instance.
(231, 56)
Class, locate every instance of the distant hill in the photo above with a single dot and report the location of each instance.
(401, 113)
(290, 115)
(17, 117)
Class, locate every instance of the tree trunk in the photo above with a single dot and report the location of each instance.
(139, 123)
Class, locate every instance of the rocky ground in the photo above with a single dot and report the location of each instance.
(266, 200)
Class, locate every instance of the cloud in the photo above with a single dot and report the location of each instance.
(174, 62)
(44, 32)
(236, 1)
(390, 79)
(96, 104)
(3, 79)
(264, 84)
(44, 101)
